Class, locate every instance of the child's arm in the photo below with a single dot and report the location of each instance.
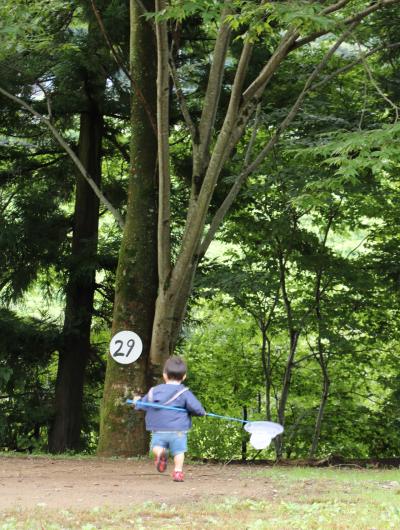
(193, 405)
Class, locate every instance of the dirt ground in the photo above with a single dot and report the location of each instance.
(72, 483)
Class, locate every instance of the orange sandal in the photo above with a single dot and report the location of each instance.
(161, 461)
(177, 476)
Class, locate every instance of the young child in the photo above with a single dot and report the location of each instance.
(169, 427)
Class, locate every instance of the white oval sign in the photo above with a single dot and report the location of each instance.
(126, 347)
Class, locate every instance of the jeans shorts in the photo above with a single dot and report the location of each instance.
(175, 441)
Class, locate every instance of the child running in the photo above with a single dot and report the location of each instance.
(169, 427)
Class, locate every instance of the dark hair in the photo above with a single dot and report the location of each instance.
(175, 368)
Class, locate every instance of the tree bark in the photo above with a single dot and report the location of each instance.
(164, 207)
(122, 431)
(324, 398)
(322, 360)
(293, 341)
(244, 437)
(75, 349)
(266, 364)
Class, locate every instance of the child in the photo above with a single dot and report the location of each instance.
(169, 427)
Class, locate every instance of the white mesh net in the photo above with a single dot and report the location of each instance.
(262, 433)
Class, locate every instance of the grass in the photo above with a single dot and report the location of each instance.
(302, 498)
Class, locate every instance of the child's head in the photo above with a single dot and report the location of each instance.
(174, 369)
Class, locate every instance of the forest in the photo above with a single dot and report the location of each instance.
(223, 179)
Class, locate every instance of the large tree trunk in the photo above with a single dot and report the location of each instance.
(75, 348)
(121, 430)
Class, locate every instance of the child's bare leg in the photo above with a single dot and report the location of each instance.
(157, 450)
(178, 461)
(161, 458)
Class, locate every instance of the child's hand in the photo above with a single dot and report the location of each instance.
(136, 398)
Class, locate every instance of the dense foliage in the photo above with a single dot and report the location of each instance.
(295, 309)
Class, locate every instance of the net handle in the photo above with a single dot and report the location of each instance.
(180, 409)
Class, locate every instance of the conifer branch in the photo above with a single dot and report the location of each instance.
(120, 63)
(64, 144)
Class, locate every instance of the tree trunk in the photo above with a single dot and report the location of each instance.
(122, 431)
(266, 364)
(321, 410)
(293, 341)
(323, 362)
(75, 349)
(294, 336)
(244, 436)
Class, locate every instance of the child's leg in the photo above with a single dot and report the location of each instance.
(158, 446)
(178, 461)
(178, 447)
(157, 450)
(161, 458)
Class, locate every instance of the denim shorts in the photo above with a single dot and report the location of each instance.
(175, 441)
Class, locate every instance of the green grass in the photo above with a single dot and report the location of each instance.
(339, 498)
(339, 473)
(301, 498)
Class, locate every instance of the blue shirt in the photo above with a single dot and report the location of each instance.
(171, 420)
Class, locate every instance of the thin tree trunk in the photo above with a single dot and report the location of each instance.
(122, 431)
(268, 381)
(266, 364)
(321, 409)
(323, 362)
(263, 324)
(294, 336)
(75, 349)
(293, 340)
(164, 207)
(244, 440)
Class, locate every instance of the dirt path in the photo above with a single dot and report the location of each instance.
(73, 483)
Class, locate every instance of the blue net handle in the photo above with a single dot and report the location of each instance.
(180, 409)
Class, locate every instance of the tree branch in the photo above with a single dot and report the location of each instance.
(181, 99)
(378, 88)
(48, 102)
(164, 244)
(253, 137)
(223, 209)
(350, 20)
(351, 65)
(335, 7)
(114, 51)
(258, 85)
(70, 152)
(214, 85)
(121, 148)
(120, 63)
